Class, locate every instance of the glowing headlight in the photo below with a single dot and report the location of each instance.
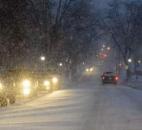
(1, 87)
(26, 90)
(91, 69)
(87, 70)
(26, 87)
(26, 83)
(55, 80)
(46, 83)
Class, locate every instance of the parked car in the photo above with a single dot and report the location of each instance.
(48, 82)
(22, 82)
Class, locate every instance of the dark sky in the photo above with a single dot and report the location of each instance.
(103, 3)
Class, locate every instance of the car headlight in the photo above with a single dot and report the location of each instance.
(26, 91)
(55, 80)
(1, 86)
(26, 83)
(26, 87)
(87, 70)
(47, 84)
(91, 69)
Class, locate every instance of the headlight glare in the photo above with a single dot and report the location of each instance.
(26, 83)
(26, 87)
(26, 91)
(47, 84)
(55, 80)
(1, 86)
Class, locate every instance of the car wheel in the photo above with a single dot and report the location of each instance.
(3, 102)
(12, 99)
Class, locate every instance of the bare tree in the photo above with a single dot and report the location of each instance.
(61, 29)
(124, 26)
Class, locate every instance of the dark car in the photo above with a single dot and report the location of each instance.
(22, 82)
(109, 77)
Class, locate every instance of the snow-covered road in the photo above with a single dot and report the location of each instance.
(87, 107)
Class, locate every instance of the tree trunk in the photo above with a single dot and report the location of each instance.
(128, 74)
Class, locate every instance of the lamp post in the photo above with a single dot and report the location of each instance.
(60, 64)
(129, 60)
(42, 58)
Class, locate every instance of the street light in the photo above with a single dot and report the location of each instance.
(60, 64)
(130, 60)
(139, 61)
(108, 48)
(42, 58)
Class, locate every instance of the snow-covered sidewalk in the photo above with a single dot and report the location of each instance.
(136, 84)
(62, 110)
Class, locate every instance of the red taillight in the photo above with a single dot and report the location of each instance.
(103, 77)
(116, 78)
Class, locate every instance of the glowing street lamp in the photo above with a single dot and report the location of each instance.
(60, 64)
(42, 58)
(108, 48)
(139, 61)
(130, 60)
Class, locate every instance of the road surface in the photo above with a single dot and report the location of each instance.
(87, 107)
